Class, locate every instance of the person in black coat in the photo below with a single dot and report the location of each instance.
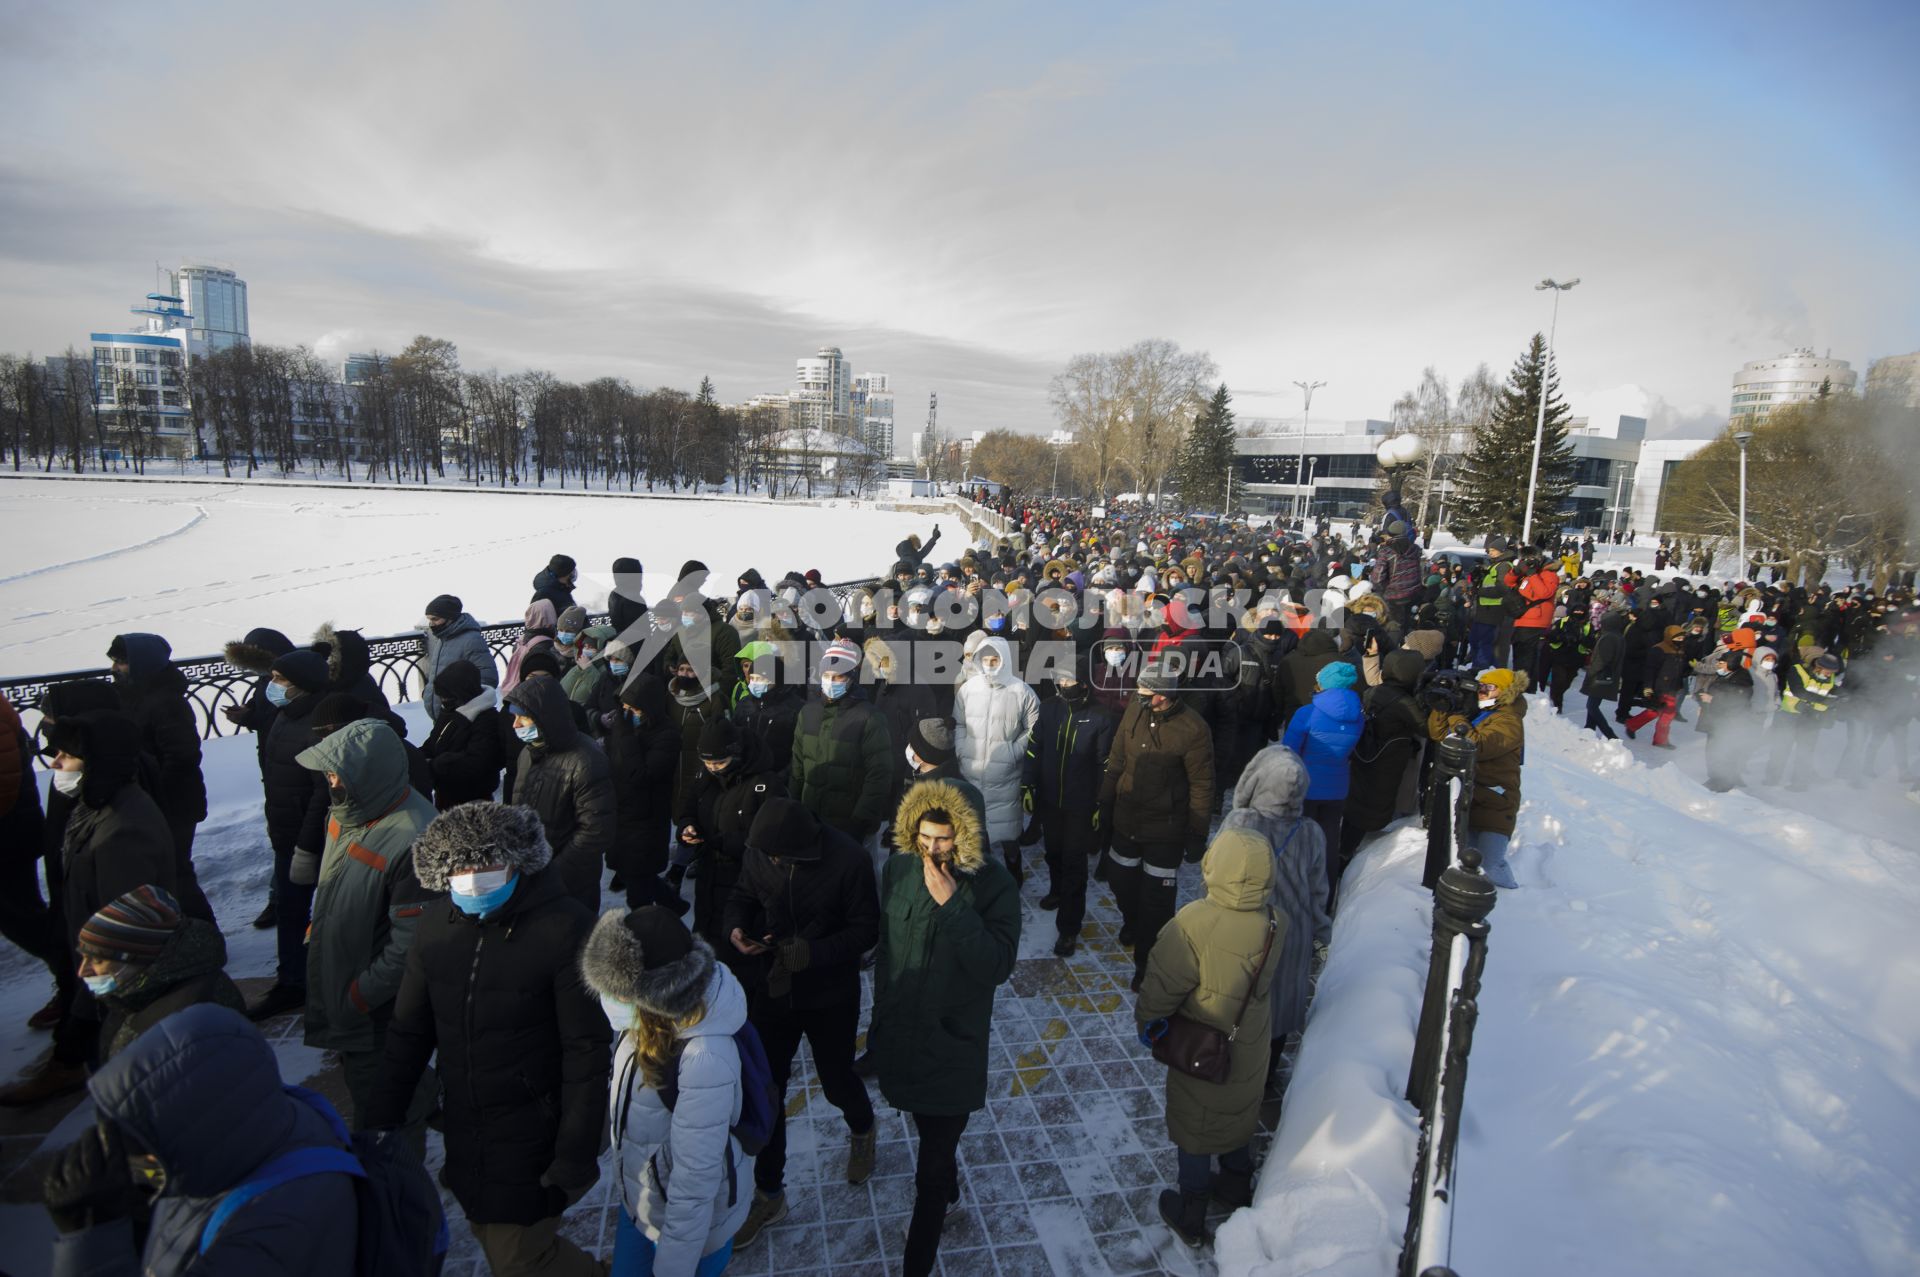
(1395, 731)
(463, 751)
(736, 778)
(25, 918)
(1603, 671)
(626, 609)
(1645, 624)
(493, 986)
(154, 695)
(901, 700)
(115, 839)
(256, 654)
(770, 709)
(806, 901)
(643, 748)
(1060, 786)
(554, 582)
(350, 668)
(296, 820)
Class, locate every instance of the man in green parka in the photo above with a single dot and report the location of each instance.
(949, 930)
(366, 905)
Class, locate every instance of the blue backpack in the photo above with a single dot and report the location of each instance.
(759, 1101)
(403, 1229)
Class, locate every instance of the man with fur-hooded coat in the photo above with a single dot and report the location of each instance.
(493, 986)
(949, 934)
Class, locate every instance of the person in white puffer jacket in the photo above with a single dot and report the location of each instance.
(994, 714)
(685, 1183)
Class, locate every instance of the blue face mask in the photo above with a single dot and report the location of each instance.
(278, 695)
(996, 623)
(100, 985)
(485, 902)
(619, 1014)
(688, 620)
(619, 667)
(757, 690)
(635, 717)
(530, 733)
(565, 638)
(831, 690)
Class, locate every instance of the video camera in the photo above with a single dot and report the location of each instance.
(1450, 691)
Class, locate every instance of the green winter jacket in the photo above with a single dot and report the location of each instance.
(842, 767)
(593, 685)
(368, 902)
(1202, 966)
(937, 965)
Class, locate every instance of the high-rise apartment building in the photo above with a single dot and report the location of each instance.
(1795, 377)
(216, 300)
(872, 406)
(1895, 378)
(822, 393)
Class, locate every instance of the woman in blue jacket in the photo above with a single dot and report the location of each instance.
(1323, 732)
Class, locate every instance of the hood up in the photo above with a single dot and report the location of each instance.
(370, 761)
(545, 702)
(969, 838)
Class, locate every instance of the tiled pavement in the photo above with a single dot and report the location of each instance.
(1059, 1174)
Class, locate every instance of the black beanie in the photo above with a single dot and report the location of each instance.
(719, 739)
(624, 565)
(305, 668)
(540, 660)
(932, 740)
(458, 683)
(689, 568)
(561, 565)
(446, 607)
(784, 827)
(663, 938)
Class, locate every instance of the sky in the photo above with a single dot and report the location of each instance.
(965, 196)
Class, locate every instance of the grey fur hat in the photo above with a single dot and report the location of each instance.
(634, 956)
(476, 834)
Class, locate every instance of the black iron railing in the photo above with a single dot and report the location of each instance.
(1437, 1081)
(213, 685)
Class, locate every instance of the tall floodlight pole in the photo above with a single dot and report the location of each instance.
(1743, 438)
(1540, 423)
(1306, 415)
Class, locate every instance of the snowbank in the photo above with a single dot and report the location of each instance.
(202, 562)
(1698, 1047)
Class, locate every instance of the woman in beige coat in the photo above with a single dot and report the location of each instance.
(1207, 966)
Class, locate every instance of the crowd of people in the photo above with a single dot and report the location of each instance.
(781, 786)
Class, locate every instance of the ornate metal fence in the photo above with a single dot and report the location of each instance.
(214, 685)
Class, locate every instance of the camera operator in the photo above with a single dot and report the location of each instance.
(1493, 716)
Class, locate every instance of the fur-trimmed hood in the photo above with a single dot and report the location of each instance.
(348, 656)
(612, 964)
(257, 652)
(478, 834)
(969, 836)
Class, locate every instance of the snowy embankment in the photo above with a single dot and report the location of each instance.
(1698, 1048)
(201, 563)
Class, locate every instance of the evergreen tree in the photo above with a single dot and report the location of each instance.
(1490, 483)
(1208, 454)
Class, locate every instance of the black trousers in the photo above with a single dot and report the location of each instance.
(1145, 881)
(830, 1032)
(1328, 813)
(292, 908)
(186, 884)
(1070, 844)
(1526, 651)
(936, 1186)
(1559, 679)
(1597, 718)
(26, 919)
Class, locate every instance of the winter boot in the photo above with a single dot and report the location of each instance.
(1011, 853)
(860, 1151)
(767, 1208)
(1186, 1215)
(1126, 935)
(268, 918)
(1065, 945)
(1049, 902)
(278, 1000)
(47, 1016)
(1231, 1188)
(50, 1081)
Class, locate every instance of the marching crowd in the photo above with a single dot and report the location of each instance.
(783, 786)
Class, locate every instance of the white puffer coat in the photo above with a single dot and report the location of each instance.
(994, 714)
(674, 1181)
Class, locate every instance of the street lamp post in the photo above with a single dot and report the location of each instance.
(1313, 463)
(1540, 423)
(1743, 438)
(1306, 416)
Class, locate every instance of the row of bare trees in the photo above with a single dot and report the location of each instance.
(1129, 411)
(416, 416)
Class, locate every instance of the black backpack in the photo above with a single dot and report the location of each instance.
(402, 1230)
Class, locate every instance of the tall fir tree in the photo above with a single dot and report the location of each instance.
(1490, 483)
(1208, 454)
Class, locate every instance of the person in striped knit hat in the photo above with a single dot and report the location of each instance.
(143, 961)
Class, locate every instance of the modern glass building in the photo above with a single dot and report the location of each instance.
(1795, 377)
(216, 300)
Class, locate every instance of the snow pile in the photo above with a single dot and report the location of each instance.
(1698, 1048)
(201, 563)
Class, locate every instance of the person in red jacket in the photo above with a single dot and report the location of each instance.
(1537, 583)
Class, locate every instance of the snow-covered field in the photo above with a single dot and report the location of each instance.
(201, 563)
(1698, 1048)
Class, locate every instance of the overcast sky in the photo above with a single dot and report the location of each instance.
(966, 195)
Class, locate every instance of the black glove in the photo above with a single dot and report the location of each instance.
(795, 954)
(567, 1182)
(1196, 848)
(88, 1183)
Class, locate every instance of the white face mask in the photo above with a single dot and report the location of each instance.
(619, 1014)
(1488, 702)
(1116, 659)
(479, 882)
(67, 782)
(913, 759)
